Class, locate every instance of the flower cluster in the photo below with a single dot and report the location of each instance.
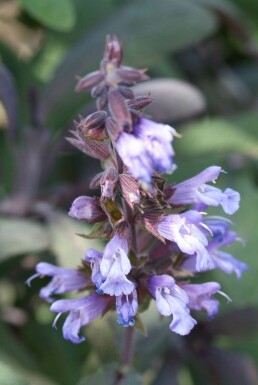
(158, 235)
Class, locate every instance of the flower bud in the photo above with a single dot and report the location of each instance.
(89, 81)
(113, 51)
(130, 189)
(139, 102)
(118, 107)
(93, 126)
(94, 148)
(108, 183)
(87, 208)
(131, 75)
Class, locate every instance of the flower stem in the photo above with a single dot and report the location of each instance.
(126, 354)
(128, 346)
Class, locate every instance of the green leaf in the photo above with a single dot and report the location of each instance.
(55, 14)
(149, 29)
(13, 350)
(107, 377)
(8, 376)
(63, 367)
(19, 236)
(217, 136)
(174, 100)
(68, 247)
(249, 7)
(221, 5)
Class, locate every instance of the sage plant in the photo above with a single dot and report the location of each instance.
(158, 235)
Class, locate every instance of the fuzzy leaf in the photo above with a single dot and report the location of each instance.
(216, 135)
(174, 100)
(57, 14)
(65, 243)
(20, 236)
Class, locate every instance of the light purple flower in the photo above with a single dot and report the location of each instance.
(172, 300)
(87, 208)
(63, 281)
(223, 237)
(94, 257)
(114, 267)
(126, 307)
(82, 311)
(196, 191)
(185, 230)
(200, 297)
(147, 149)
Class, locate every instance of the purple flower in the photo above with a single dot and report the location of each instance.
(185, 230)
(94, 257)
(117, 244)
(87, 208)
(172, 300)
(114, 267)
(116, 282)
(196, 191)
(82, 311)
(147, 149)
(126, 307)
(223, 237)
(63, 281)
(200, 297)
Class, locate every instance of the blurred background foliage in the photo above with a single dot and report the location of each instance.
(203, 58)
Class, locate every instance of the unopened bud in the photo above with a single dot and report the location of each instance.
(102, 101)
(87, 208)
(126, 92)
(108, 183)
(95, 120)
(89, 81)
(93, 126)
(119, 110)
(113, 128)
(139, 103)
(130, 189)
(113, 51)
(131, 75)
(95, 148)
(98, 90)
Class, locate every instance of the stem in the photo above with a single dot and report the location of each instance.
(128, 346)
(127, 354)
(130, 220)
